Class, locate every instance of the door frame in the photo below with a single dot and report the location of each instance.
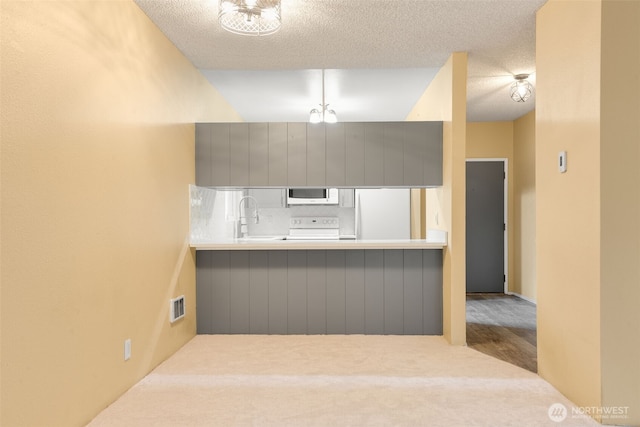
(505, 162)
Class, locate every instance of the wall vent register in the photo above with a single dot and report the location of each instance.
(177, 309)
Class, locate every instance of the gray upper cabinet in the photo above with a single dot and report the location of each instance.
(203, 155)
(238, 154)
(278, 155)
(374, 154)
(394, 136)
(297, 154)
(432, 160)
(336, 164)
(258, 154)
(316, 154)
(220, 154)
(354, 154)
(357, 154)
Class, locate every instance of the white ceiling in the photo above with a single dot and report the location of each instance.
(379, 55)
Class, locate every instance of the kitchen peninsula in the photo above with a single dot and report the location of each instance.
(251, 280)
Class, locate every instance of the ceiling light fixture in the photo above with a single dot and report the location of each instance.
(324, 114)
(521, 89)
(250, 17)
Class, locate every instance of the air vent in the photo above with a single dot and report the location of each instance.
(177, 309)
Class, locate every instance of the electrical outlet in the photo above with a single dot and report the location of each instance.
(127, 349)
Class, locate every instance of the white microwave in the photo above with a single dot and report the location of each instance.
(312, 196)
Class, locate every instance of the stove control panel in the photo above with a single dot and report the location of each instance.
(314, 222)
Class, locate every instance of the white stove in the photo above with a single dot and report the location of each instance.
(314, 228)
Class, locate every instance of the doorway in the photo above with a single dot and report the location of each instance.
(486, 226)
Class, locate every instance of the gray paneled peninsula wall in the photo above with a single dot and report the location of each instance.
(352, 154)
(373, 291)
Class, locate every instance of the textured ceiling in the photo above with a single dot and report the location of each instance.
(379, 55)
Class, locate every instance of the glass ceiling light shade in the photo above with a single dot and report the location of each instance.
(315, 116)
(521, 89)
(250, 17)
(330, 116)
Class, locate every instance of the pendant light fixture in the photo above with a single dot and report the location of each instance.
(324, 114)
(250, 17)
(521, 89)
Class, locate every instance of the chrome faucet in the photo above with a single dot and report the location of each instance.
(242, 229)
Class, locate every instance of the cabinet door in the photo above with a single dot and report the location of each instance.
(239, 154)
(297, 154)
(354, 151)
(433, 154)
(316, 155)
(374, 154)
(394, 153)
(415, 143)
(335, 155)
(258, 154)
(203, 155)
(220, 154)
(278, 154)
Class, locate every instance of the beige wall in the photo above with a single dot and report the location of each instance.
(495, 140)
(446, 99)
(568, 205)
(97, 154)
(523, 279)
(588, 219)
(620, 207)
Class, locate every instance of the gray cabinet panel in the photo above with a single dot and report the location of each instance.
(239, 292)
(204, 292)
(277, 292)
(238, 154)
(433, 154)
(370, 154)
(336, 166)
(258, 154)
(278, 154)
(354, 152)
(432, 292)
(220, 305)
(220, 154)
(336, 321)
(394, 153)
(354, 294)
(393, 292)
(297, 154)
(374, 292)
(415, 140)
(413, 323)
(374, 154)
(203, 154)
(317, 292)
(297, 292)
(259, 292)
(316, 154)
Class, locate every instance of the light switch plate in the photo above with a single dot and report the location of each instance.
(127, 349)
(562, 161)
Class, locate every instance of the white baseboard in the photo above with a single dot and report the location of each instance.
(532, 301)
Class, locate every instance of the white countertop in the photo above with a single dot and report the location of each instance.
(273, 244)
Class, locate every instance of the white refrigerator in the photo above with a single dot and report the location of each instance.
(383, 213)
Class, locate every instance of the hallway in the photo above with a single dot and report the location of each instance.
(503, 326)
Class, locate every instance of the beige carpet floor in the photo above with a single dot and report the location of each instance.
(335, 380)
